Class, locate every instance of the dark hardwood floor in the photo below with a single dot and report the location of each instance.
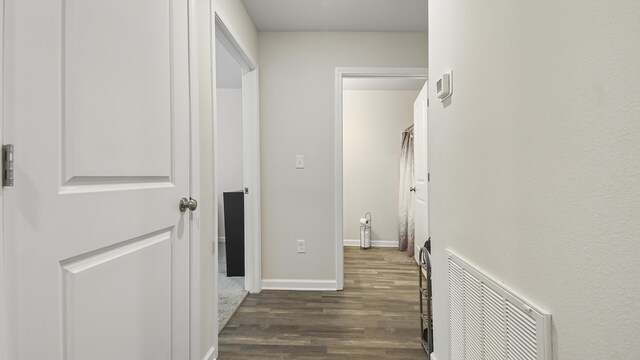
(375, 317)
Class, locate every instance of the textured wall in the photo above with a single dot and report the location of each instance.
(535, 161)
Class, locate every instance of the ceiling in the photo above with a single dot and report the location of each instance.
(338, 15)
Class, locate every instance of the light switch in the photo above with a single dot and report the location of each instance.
(299, 161)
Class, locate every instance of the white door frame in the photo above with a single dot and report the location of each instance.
(355, 72)
(4, 331)
(195, 291)
(251, 149)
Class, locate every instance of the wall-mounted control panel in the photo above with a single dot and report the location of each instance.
(444, 87)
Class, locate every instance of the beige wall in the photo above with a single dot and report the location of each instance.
(297, 75)
(373, 121)
(535, 162)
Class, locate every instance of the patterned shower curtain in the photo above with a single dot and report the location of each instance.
(406, 225)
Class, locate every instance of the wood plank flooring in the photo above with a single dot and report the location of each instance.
(375, 317)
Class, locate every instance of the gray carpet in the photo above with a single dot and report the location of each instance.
(231, 291)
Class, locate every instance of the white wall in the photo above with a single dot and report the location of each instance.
(228, 70)
(230, 159)
(373, 121)
(535, 161)
(297, 75)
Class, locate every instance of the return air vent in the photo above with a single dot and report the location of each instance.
(489, 322)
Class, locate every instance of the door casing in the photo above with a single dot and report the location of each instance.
(195, 291)
(251, 150)
(354, 72)
(3, 303)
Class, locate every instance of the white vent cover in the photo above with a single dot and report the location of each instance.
(489, 322)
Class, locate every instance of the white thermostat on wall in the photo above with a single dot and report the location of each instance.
(443, 86)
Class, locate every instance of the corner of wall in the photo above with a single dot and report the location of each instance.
(237, 19)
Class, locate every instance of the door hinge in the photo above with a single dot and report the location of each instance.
(7, 165)
(428, 177)
(427, 102)
(246, 190)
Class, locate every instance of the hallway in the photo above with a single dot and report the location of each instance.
(375, 317)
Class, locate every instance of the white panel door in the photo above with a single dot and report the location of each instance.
(421, 212)
(96, 102)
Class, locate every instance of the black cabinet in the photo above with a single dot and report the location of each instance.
(234, 232)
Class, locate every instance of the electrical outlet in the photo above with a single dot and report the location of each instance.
(301, 246)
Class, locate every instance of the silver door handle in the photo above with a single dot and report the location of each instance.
(412, 189)
(189, 203)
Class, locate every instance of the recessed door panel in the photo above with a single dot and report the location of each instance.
(117, 301)
(117, 90)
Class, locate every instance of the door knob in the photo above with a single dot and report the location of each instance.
(412, 189)
(190, 204)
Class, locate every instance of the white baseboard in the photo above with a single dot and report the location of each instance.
(301, 285)
(222, 239)
(433, 356)
(374, 243)
(210, 353)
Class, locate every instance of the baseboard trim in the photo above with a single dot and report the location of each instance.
(374, 243)
(299, 285)
(210, 353)
(433, 356)
(222, 239)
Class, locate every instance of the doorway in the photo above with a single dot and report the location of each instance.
(236, 164)
(229, 179)
(366, 158)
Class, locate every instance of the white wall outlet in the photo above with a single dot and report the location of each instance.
(301, 246)
(299, 161)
